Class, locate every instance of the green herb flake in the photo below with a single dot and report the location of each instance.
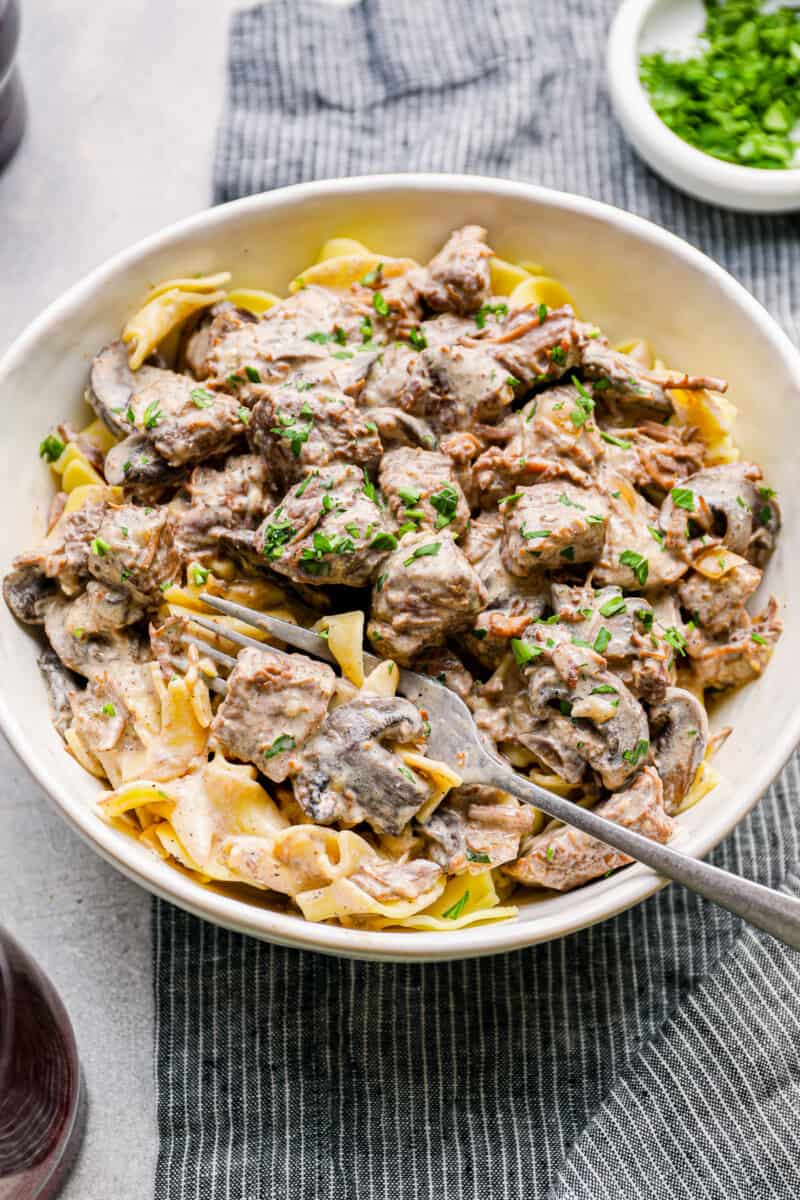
(477, 856)
(674, 638)
(383, 541)
(108, 710)
(615, 441)
(198, 574)
(558, 355)
(638, 752)
(758, 639)
(603, 689)
(656, 535)
(201, 398)
(637, 563)
(152, 415)
(418, 339)
(602, 640)
(455, 910)
(244, 415)
(445, 501)
(542, 313)
(524, 652)
(99, 547)
(510, 499)
(410, 496)
(683, 498)
(428, 550)
(379, 304)
(284, 741)
(51, 448)
(613, 606)
(372, 277)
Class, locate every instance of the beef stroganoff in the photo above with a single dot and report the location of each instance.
(447, 462)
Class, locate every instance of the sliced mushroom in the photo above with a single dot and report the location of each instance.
(28, 593)
(477, 827)
(726, 503)
(349, 775)
(112, 383)
(88, 654)
(597, 721)
(134, 463)
(679, 737)
(61, 684)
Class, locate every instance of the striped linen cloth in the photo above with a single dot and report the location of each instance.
(656, 1055)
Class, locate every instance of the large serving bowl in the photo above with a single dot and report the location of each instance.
(626, 274)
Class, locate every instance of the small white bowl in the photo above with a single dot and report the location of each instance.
(627, 274)
(645, 26)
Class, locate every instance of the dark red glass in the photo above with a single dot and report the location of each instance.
(12, 98)
(41, 1092)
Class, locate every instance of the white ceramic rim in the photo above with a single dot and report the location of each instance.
(623, 889)
(750, 188)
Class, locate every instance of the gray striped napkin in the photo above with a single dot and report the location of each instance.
(653, 1056)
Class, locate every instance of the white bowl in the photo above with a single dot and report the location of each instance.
(642, 27)
(626, 274)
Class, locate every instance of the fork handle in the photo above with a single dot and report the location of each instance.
(775, 912)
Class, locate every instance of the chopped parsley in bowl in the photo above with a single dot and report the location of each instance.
(738, 97)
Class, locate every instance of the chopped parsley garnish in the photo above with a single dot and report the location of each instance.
(584, 405)
(602, 640)
(603, 689)
(480, 634)
(600, 385)
(637, 563)
(510, 499)
(303, 385)
(485, 310)
(429, 550)
(408, 774)
(542, 312)
(756, 637)
(558, 355)
(277, 534)
(342, 354)
(674, 638)
(199, 574)
(767, 493)
(295, 434)
(646, 617)
(594, 519)
(455, 910)
(51, 448)
(530, 534)
(512, 381)
(99, 547)
(372, 277)
(550, 853)
(235, 380)
(445, 501)
(319, 337)
(477, 856)
(380, 581)
(283, 741)
(201, 398)
(365, 329)
(383, 541)
(683, 498)
(409, 496)
(523, 652)
(369, 489)
(418, 339)
(656, 535)
(379, 304)
(299, 491)
(108, 710)
(638, 752)
(565, 500)
(615, 441)
(244, 415)
(152, 415)
(568, 552)
(611, 607)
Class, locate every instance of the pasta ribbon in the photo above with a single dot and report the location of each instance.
(541, 289)
(466, 900)
(342, 271)
(441, 777)
(75, 469)
(506, 276)
(166, 307)
(346, 643)
(254, 300)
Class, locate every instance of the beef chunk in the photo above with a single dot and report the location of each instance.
(635, 555)
(134, 551)
(233, 496)
(552, 525)
(454, 386)
(476, 828)
(458, 277)
(426, 591)
(184, 421)
(563, 858)
(331, 528)
(419, 488)
(298, 430)
(274, 704)
(349, 774)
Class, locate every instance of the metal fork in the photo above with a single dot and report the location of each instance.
(454, 738)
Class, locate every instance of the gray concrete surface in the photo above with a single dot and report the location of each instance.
(124, 101)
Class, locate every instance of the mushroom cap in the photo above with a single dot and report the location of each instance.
(679, 737)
